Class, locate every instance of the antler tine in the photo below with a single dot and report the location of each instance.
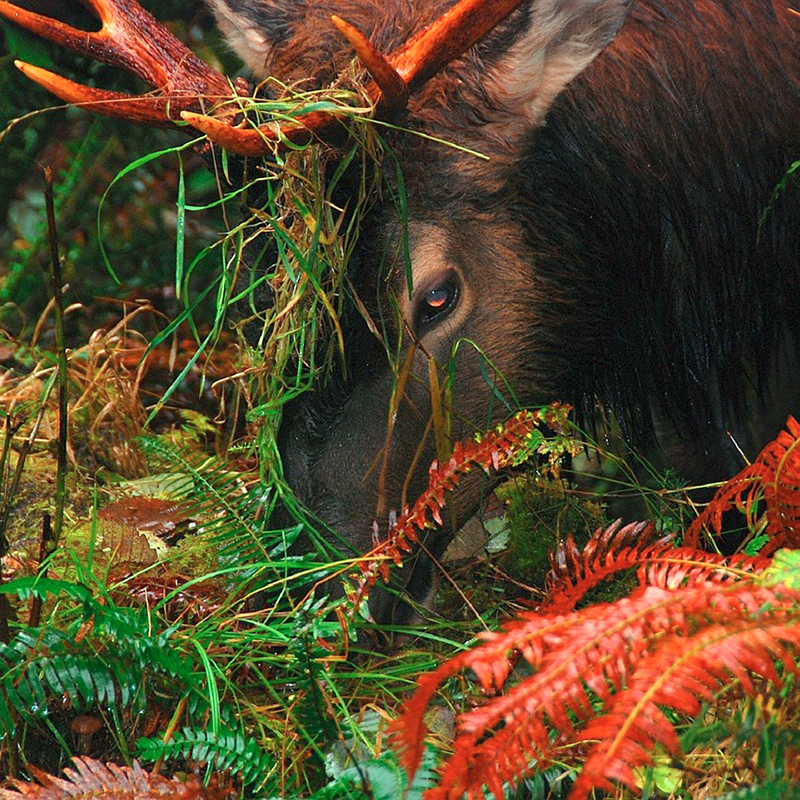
(130, 38)
(262, 140)
(393, 89)
(147, 110)
(452, 34)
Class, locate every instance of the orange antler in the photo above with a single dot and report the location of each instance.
(187, 87)
(130, 38)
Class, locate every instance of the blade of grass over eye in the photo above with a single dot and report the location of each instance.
(440, 423)
(485, 363)
(492, 384)
(146, 159)
(401, 202)
(398, 391)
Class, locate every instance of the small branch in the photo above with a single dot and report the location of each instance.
(61, 354)
(10, 429)
(45, 548)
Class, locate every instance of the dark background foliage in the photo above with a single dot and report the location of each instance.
(137, 225)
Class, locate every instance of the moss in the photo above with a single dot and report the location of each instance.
(540, 512)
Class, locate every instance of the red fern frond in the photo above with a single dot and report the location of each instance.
(93, 779)
(507, 445)
(681, 673)
(775, 476)
(614, 549)
(696, 623)
(607, 653)
(573, 571)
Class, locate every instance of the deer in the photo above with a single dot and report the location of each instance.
(619, 244)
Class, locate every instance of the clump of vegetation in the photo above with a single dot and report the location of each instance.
(611, 683)
(175, 626)
(540, 512)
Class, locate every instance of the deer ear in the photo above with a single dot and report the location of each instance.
(558, 41)
(255, 29)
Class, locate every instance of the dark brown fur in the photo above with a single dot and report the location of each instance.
(609, 250)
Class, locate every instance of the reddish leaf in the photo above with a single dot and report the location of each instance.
(775, 475)
(497, 449)
(93, 779)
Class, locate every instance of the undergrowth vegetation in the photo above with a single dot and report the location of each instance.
(175, 625)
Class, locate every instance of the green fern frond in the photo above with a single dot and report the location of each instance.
(107, 657)
(227, 750)
(236, 508)
(38, 673)
(381, 778)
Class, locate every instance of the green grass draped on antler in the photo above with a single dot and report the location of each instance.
(697, 623)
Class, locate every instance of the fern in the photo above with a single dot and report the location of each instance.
(107, 657)
(509, 444)
(236, 507)
(226, 750)
(380, 778)
(616, 549)
(773, 476)
(91, 779)
(695, 624)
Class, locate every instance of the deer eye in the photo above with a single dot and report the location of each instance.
(437, 302)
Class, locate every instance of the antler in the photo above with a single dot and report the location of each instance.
(131, 38)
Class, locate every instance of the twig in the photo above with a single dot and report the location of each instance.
(45, 548)
(11, 427)
(61, 354)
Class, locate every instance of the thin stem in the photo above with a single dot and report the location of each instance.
(61, 355)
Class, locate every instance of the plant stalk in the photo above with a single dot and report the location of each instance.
(61, 355)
